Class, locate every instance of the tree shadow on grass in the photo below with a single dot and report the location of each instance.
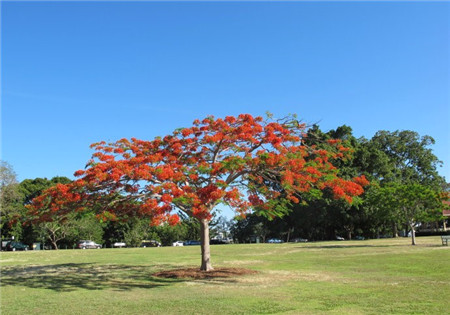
(222, 273)
(70, 277)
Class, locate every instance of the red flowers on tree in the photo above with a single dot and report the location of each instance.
(244, 162)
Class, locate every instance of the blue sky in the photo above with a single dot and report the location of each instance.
(74, 73)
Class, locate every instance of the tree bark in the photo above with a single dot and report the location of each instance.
(394, 230)
(288, 236)
(54, 244)
(53, 240)
(413, 235)
(206, 253)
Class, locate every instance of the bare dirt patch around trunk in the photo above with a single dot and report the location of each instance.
(196, 273)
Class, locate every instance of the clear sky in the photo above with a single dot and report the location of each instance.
(74, 73)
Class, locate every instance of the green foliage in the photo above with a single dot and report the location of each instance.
(87, 227)
(10, 202)
(190, 228)
(408, 203)
(410, 158)
(137, 231)
(233, 163)
(247, 230)
(279, 208)
(167, 234)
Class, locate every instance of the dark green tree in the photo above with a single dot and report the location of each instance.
(249, 229)
(10, 202)
(410, 158)
(139, 230)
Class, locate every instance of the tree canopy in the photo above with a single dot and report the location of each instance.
(409, 157)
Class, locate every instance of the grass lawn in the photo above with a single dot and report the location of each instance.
(351, 277)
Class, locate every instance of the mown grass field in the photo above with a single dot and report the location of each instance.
(352, 277)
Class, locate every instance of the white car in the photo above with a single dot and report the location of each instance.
(83, 244)
(177, 243)
(119, 244)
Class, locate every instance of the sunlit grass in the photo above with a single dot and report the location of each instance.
(352, 277)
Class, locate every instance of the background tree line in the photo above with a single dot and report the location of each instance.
(406, 192)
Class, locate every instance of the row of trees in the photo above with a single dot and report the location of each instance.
(284, 178)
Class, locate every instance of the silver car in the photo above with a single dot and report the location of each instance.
(85, 244)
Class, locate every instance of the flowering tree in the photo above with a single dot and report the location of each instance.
(243, 162)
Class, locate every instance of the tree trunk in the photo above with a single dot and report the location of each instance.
(289, 235)
(53, 240)
(54, 244)
(206, 253)
(394, 230)
(413, 235)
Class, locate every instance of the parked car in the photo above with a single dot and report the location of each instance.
(119, 244)
(5, 241)
(274, 240)
(359, 238)
(215, 241)
(150, 243)
(86, 244)
(340, 238)
(299, 240)
(13, 246)
(177, 243)
(228, 240)
(187, 243)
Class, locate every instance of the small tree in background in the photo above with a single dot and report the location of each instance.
(409, 204)
(238, 161)
(10, 202)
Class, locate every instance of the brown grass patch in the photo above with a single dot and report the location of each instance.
(195, 273)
